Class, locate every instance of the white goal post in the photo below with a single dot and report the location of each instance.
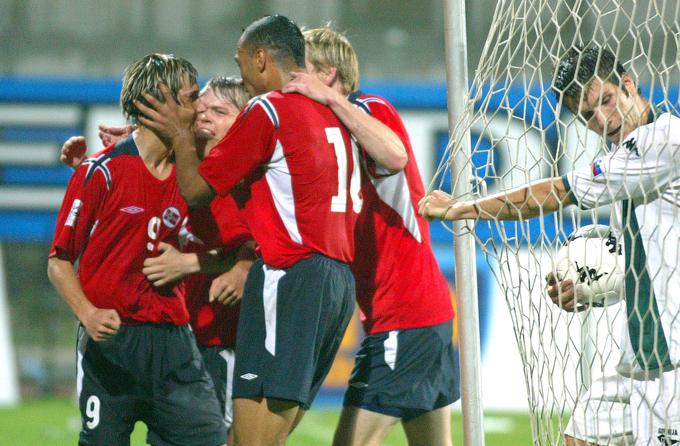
(512, 129)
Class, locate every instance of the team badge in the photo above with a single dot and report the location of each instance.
(597, 168)
(171, 217)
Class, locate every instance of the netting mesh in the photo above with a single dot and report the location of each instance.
(521, 133)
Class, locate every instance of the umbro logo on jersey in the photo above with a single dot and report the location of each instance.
(359, 385)
(132, 210)
(249, 376)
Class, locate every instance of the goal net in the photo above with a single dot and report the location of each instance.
(520, 133)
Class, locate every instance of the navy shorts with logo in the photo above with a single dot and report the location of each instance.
(290, 327)
(405, 373)
(151, 373)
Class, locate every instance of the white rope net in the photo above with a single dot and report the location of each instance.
(520, 133)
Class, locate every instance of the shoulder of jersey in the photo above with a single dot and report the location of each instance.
(100, 162)
(266, 103)
(365, 101)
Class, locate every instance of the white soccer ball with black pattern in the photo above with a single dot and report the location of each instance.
(592, 258)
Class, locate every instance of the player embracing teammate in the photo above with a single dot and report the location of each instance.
(304, 181)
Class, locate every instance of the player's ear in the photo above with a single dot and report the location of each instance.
(332, 75)
(628, 84)
(261, 59)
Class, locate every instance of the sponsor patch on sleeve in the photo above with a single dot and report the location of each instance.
(597, 168)
(73, 213)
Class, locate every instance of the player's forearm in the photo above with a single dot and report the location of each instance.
(193, 187)
(245, 257)
(215, 261)
(379, 141)
(63, 277)
(539, 197)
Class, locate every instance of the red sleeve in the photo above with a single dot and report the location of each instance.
(78, 214)
(220, 225)
(387, 114)
(247, 145)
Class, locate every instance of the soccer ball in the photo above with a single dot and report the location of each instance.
(592, 258)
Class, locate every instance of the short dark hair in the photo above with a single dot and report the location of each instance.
(280, 36)
(580, 66)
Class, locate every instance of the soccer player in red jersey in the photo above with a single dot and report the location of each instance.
(137, 358)
(211, 298)
(299, 167)
(406, 369)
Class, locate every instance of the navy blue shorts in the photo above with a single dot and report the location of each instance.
(150, 373)
(219, 361)
(405, 373)
(290, 327)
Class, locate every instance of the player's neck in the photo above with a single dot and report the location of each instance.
(156, 156)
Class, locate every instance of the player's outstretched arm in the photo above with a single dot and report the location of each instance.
(173, 123)
(530, 200)
(101, 324)
(379, 141)
(228, 287)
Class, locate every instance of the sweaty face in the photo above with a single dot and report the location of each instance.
(214, 117)
(610, 111)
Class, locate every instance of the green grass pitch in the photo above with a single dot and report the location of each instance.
(56, 423)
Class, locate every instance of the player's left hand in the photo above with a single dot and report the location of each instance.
(170, 266)
(227, 288)
(436, 204)
(170, 119)
(309, 85)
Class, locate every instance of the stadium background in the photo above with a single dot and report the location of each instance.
(60, 67)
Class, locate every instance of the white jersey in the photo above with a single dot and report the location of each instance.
(640, 178)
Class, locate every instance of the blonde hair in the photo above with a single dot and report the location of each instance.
(143, 75)
(328, 48)
(229, 89)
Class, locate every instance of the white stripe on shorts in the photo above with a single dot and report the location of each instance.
(269, 297)
(391, 345)
(228, 355)
(80, 352)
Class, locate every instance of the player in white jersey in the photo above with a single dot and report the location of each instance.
(640, 178)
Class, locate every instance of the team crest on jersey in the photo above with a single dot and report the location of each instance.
(668, 436)
(597, 168)
(171, 217)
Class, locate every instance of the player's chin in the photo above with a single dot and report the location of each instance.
(204, 133)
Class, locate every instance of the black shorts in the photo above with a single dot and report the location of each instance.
(150, 373)
(219, 361)
(290, 327)
(405, 373)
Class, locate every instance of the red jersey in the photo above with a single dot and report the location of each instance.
(298, 162)
(399, 283)
(114, 214)
(216, 226)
